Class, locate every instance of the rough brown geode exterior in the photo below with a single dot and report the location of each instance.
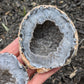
(41, 70)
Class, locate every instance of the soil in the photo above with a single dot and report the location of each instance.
(6, 77)
(46, 38)
(11, 14)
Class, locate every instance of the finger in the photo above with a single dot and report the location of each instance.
(12, 48)
(20, 59)
(40, 78)
(29, 71)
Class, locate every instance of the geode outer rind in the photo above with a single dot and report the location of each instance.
(67, 47)
(9, 62)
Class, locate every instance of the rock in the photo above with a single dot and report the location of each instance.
(38, 46)
(11, 71)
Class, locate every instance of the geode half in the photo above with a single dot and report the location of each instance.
(48, 38)
(11, 71)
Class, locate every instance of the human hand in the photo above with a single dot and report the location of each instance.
(38, 78)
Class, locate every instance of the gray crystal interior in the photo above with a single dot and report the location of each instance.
(38, 16)
(10, 63)
(46, 38)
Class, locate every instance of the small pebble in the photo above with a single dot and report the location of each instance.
(17, 4)
(33, 4)
(61, 2)
(0, 40)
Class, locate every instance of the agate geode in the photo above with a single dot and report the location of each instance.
(48, 38)
(11, 71)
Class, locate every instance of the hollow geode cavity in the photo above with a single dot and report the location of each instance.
(11, 71)
(48, 38)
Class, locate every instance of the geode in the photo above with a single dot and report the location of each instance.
(48, 38)
(11, 71)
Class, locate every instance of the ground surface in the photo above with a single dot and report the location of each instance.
(11, 14)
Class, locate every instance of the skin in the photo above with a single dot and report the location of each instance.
(37, 78)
